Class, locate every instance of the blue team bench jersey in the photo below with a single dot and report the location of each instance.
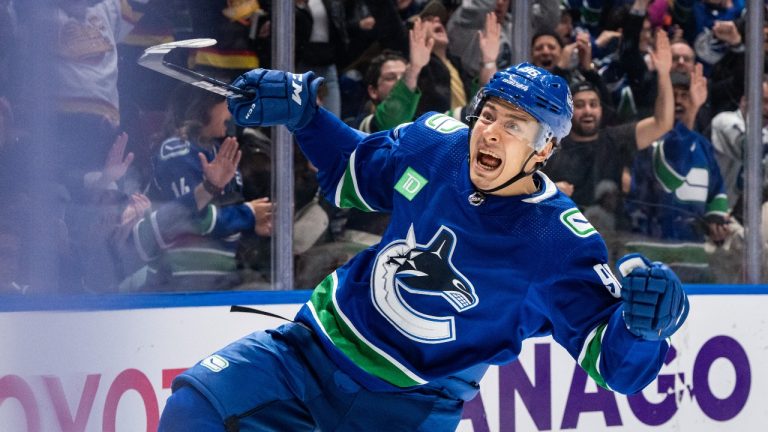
(453, 285)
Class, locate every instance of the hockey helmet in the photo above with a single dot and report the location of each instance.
(538, 92)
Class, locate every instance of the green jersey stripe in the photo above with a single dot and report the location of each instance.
(209, 221)
(200, 259)
(669, 179)
(589, 358)
(718, 205)
(346, 338)
(347, 192)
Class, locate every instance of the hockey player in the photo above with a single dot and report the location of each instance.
(481, 253)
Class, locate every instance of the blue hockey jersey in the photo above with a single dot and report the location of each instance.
(199, 258)
(454, 286)
(676, 183)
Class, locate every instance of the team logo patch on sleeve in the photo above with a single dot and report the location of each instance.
(577, 223)
(444, 124)
(215, 363)
(410, 183)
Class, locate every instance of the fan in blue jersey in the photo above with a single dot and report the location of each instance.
(482, 252)
(204, 257)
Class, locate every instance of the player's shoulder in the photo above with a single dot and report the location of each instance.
(565, 222)
(174, 147)
(432, 125)
(430, 133)
(442, 123)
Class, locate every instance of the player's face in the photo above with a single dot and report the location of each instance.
(502, 139)
(545, 52)
(587, 113)
(217, 127)
(391, 71)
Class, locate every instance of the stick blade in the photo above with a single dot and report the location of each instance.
(187, 43)
(154, 59)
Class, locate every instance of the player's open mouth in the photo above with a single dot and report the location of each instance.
(487, 160)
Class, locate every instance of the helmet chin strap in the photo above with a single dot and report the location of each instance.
(517, 176)
(478, 197)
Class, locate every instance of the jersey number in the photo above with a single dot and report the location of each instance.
(181, 189)
(608, 279)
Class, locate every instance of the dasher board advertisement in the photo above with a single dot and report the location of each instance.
(110, 370)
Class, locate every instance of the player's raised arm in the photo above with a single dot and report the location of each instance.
(280, 98)
(291, 100)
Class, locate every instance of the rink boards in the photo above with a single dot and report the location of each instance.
(108, 366)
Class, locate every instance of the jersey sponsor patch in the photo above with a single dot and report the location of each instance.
(410, 183)
(577, 223)
(444, 124)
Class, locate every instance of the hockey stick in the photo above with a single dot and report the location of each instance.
(154, 58)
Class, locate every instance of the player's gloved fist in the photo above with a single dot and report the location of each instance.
(655, 305)
(281, 98)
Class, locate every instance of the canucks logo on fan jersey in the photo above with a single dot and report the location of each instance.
(423, 270)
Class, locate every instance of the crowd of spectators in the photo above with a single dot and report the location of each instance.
(151, 188)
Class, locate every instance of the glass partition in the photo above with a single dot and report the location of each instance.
(119, 180)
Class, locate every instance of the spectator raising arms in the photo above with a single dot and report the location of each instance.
(203, 262)
(591, 153)
(392, 84)
(678, 196)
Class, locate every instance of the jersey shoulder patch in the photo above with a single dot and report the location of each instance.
(174, 147)
(575, 221)
(444, 124)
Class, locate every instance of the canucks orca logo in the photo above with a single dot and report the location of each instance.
(427, 269)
